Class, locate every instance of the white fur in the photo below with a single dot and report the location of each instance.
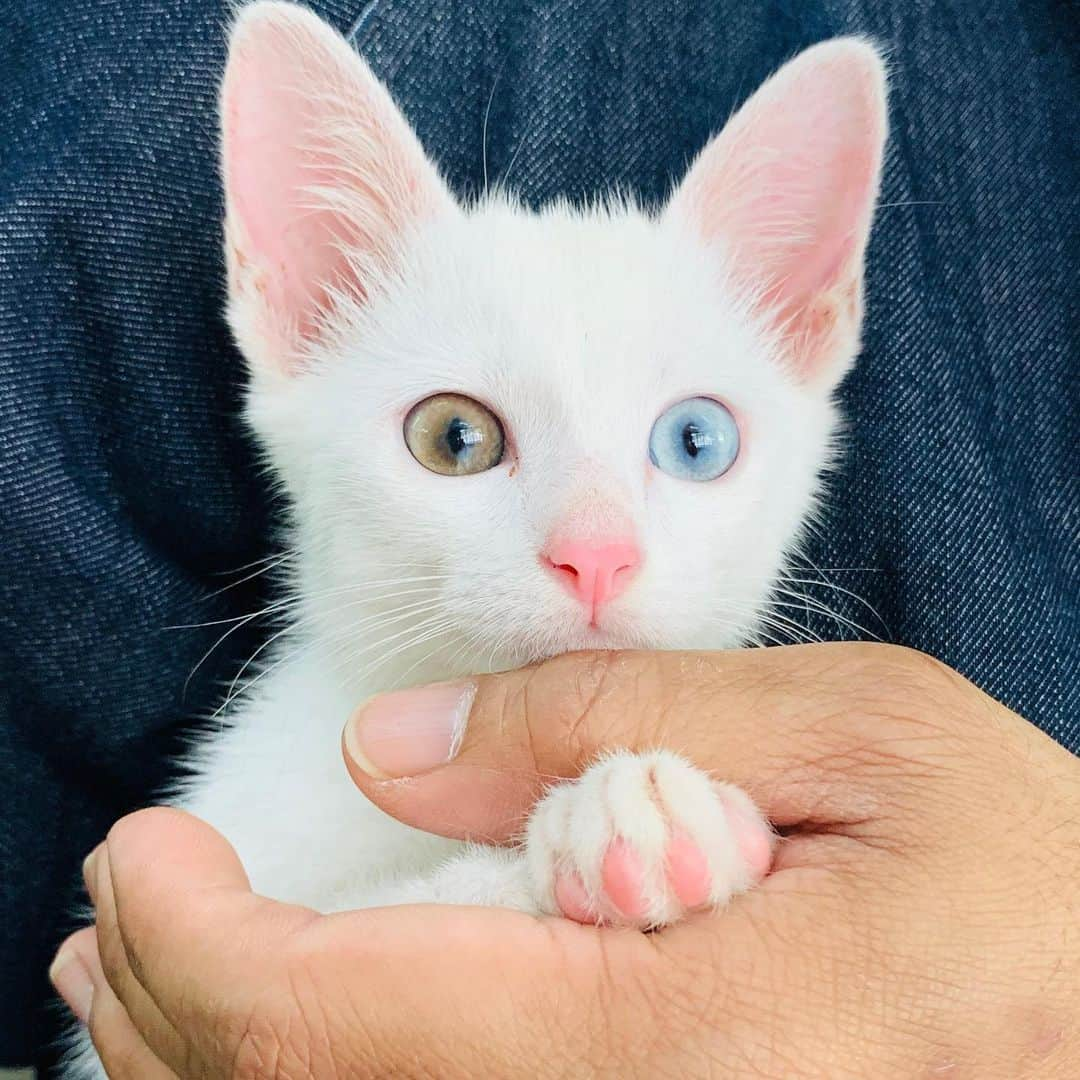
(578, 328)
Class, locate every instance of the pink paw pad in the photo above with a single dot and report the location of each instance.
(641, 840)
(688, 871)
(754, 840)
(623, 877)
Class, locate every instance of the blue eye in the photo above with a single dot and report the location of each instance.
(697, 439)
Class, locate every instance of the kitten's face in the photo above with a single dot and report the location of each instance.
(577, 334)
(661, 407)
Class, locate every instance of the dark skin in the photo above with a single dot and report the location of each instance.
(922, 918)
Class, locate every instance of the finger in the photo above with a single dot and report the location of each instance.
(364, 993)
(183, 939)
(72, 971)
(487, 1000)
(129, 1005)
(484, 1002)
(121, 1047)
(359, 993)
(819, 733)
(248, 981)
(79, 979)
(78, 975)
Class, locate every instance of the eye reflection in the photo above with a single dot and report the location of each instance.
(454, 435)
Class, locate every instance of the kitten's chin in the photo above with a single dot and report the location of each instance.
(584, 638)
(626, 633)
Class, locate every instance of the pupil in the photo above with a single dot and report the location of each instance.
(460, 435)
(694, 439)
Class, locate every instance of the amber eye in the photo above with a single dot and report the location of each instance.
(454, 435)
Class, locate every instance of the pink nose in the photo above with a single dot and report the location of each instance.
(594, 572)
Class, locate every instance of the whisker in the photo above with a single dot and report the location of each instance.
(272, 563)
(790, 579)
(808, 604)
(306, 597)
(380, 618)
(484, 127)
(246, 688)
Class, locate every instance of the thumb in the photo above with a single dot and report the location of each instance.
(796, 727)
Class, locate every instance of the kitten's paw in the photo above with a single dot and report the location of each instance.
(641, 839)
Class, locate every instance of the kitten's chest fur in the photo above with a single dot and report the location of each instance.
(272, 781)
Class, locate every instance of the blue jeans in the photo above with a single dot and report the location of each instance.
(127, 486)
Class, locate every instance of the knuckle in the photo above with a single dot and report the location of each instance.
(906, 689)
(916, 668)
(127, 879)
(588, 722)
(904, 718)
(898, 668)
(576, 707)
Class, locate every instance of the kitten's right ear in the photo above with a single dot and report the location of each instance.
(322, 174)
(789, 188)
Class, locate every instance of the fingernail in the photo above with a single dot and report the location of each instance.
(409, 731)
(71, 979)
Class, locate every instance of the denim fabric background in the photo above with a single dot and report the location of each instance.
(127, 488)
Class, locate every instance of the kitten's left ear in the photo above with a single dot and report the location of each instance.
(788, 187)
(323, 178)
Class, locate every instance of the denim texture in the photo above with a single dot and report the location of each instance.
(127, 488)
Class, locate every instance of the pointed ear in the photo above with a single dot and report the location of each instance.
(788, 188)
(322, 178)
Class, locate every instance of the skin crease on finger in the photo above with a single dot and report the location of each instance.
(932, 940)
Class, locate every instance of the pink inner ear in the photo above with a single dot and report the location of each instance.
(269, 127)
(790, 184)
(317, 159)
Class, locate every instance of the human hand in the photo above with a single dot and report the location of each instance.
(921, 918)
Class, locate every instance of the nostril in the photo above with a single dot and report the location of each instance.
(593, 572)
(570, 575)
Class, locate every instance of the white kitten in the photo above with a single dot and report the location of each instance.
(641, 411)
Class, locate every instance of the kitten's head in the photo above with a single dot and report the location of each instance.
(508, 434)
